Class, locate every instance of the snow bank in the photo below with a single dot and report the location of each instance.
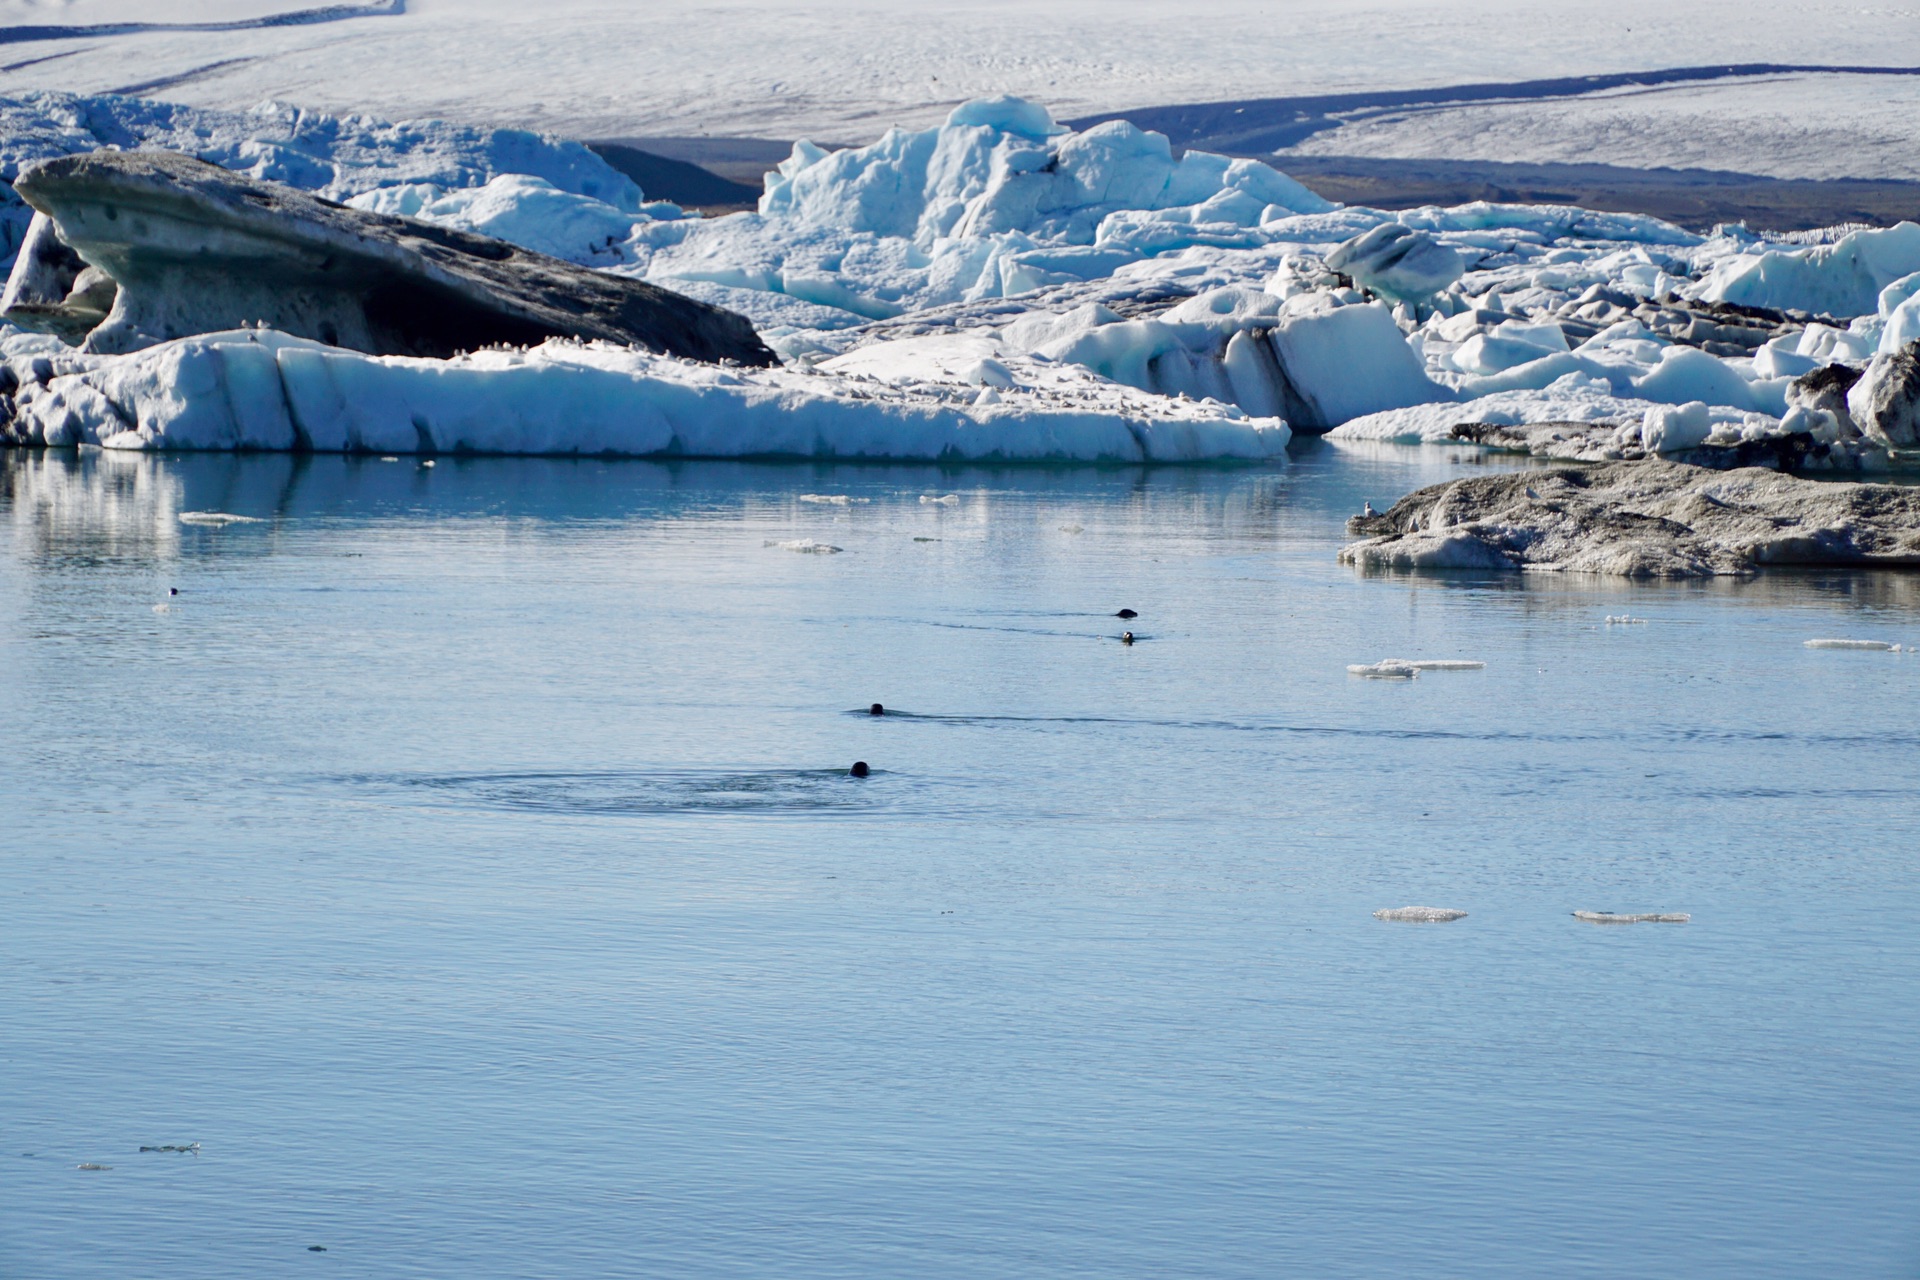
(263, 390)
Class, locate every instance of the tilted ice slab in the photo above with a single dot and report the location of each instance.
(263, 390)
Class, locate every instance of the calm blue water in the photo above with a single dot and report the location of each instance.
(465, 862)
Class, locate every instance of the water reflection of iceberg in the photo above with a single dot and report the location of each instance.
(91, 505)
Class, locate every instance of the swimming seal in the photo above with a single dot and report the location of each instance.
(1126, 613)
(1126, 637)
(876, 710)
(859, 769)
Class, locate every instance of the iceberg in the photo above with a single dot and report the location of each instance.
(1841, 279)
(337, 157)
(254, 389)
(185, 247)
(999, 243)
(524, 210)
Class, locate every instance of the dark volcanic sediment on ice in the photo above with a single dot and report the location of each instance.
(1642, 519)
(194, 248)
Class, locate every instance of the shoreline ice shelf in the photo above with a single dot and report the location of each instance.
(954, 264)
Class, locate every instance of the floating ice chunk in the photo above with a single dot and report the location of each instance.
(1878, 646)
(1387, 670)
(1443, 664)
(1420, 915)
(1399, 262)
(940, 500)
(97, 1168)
(806, 546)
(1489, 353)
(216, 519)
(833, 499)
(1669, 429)
(1650, 917)
(1625, 620)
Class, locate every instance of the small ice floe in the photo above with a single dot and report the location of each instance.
(1420, 915)
(390, 458)
(1648, 917)
(1877, 646)
(94, 1168)
(1388, 670)
(163, 607)
(184, 1148)
(1072, 528)
(1625, 620)
(215, 519)
(832, 499)
(1408, 668)
(940, 500)
(806, 546)
(427, 463)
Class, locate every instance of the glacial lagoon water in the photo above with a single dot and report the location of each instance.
(464, 859)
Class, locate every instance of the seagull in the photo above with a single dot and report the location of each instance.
(1366, 508)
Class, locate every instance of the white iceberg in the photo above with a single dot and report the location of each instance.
(1840, 279)
(252, 389)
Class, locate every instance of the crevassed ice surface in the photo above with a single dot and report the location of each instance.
(464, 860)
